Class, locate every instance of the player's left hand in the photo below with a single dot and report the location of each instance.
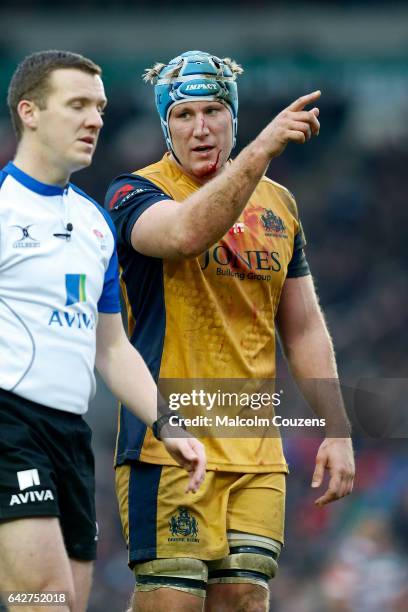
(189, 454)
(336, 456)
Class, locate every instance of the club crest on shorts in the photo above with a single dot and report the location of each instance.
(183, 527)
(273, 224)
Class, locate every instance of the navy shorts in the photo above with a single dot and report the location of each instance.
(47, 469)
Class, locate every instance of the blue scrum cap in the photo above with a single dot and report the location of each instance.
(194, 76)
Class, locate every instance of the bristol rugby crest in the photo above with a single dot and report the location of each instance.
(274, 226)
(183, 527)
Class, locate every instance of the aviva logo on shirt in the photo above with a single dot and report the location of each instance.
(75, 285)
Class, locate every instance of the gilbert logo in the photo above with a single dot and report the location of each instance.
(27, 479)
(25, 240)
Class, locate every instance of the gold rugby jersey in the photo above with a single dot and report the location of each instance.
(207, 317)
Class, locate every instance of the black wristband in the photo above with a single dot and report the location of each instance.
(163, 420)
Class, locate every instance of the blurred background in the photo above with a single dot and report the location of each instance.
(351, 186)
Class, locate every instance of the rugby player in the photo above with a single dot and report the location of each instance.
(182, 223)
(59, 311)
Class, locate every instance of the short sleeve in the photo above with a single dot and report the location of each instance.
(128, 196)
(109, 301)
(298, 265)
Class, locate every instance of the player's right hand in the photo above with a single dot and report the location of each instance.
(293, 124)
(336, 456)
(189, 454)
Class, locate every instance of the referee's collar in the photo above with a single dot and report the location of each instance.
(32, 183)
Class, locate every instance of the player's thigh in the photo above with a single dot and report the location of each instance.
(233, 597)
(169, 533)
(257, 505)
(166, 600)
(255, 522)
(33, 556)
(239, 581)
(161, 521)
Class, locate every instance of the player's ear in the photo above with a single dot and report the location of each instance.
(28, 112)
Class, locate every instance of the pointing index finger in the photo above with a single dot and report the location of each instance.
(301, 102)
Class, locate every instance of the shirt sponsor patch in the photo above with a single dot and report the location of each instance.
(125, 195)
(27, 479)
(119, 194)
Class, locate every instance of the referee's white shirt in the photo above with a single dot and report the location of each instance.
(58, 269)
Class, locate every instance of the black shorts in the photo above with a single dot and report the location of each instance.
(47, 469)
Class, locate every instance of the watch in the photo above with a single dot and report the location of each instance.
(163, 420)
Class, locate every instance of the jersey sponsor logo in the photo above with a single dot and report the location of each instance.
(242, 261)
(125, 194)
(27, 479)
(75, 285)
(129, 197)
(77, 320)
(119, 194)
(273, 224)
(25, 240)
(183, 527)
(31, 496)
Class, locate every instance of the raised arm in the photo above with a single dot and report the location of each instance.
(309, 351)
(168, 230)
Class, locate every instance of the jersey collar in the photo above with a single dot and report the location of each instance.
(32, 183)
